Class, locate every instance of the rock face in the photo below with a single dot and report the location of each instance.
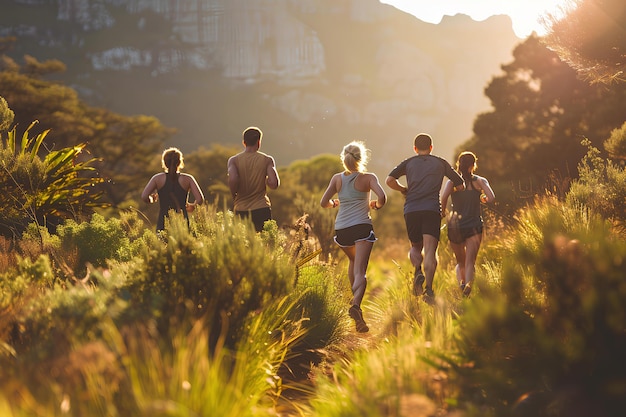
(314, 73)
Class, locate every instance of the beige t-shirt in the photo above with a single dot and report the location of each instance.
(252, 191)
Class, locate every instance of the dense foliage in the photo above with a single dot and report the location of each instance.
(545, 341)
(222, 291)
(209, 316)
(530, 141)
(592, 40)
(125, 146)
(58, 185)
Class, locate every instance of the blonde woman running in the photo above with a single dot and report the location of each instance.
(354, 232)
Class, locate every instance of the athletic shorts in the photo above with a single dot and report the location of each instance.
(419, 223)
(350, 235)
(259, 216)
(461, 234)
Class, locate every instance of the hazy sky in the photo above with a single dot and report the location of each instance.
(524, 13)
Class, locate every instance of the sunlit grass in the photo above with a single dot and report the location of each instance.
(298, 354)
(396, 370)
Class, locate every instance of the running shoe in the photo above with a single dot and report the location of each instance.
(429, 296)
(418, 282)
(467, 290)
(357, 315)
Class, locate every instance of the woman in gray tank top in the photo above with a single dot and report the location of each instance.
(354, 232)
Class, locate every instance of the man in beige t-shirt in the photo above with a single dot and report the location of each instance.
(250, 172)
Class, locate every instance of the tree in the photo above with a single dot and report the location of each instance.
(128, 147)
(209, 168)
(591, 38)
(125, 145)
(531, 141)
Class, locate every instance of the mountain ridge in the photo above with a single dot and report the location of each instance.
(313, 74)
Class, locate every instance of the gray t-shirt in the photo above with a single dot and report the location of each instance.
(424, 178)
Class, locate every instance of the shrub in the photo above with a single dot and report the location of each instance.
(95, 241)
(43, 191)
(45, 315)
(550, 341)
(226, 271)
(600, 186)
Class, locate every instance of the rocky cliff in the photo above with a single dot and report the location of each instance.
(312, 74)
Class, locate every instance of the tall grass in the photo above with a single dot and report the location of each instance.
(199, 322)
(212, 321)
(396, 372)
(549, 340)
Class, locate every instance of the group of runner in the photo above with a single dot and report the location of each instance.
(251, 172)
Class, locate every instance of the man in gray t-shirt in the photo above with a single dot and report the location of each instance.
(422, 209)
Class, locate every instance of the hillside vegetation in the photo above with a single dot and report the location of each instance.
(104, 317)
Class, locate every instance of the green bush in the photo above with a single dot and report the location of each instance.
(76, 245)
(95, 241)
(44, 190)
(44, 316)
(224, 271)
(600, 186)
(550, 340)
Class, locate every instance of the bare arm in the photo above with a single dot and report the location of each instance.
(150, 189)
(195, 189)
(395, 185)
(273, 181)
(233, 176)
(331, 190)
(375, 186)
(489, 194)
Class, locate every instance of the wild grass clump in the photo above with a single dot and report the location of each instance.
(600, 186)
(395, 369)
(225, 272)
(321, 310)
(194, 377)
(201, 320)
(77, 245)
(550, 340)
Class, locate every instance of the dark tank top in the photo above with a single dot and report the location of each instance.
(466, 204)
(171, 197)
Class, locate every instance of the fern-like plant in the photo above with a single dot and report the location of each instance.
(45, 189)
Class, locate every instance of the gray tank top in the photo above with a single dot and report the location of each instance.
(354, 207)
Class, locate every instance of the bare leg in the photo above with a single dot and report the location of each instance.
(430, 259)
(472, 245)
(459, 254)
(415, 254)
(361, 260)
(350, 252)
(358, 255)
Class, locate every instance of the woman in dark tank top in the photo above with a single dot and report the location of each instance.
(465, 223)
(171, 188)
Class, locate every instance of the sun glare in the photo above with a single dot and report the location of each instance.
(525, 14)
